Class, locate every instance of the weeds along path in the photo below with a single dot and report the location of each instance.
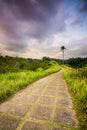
(43, 105)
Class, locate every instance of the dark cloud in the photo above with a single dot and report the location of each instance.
(84, 8)
(24, 20)
(24, 9)
(32, 9)
(36, 13)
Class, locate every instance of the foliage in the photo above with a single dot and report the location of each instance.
(76, 62)
(73, 62)
(77, 80)
(11, 82)
(15, 64)
(63, 48)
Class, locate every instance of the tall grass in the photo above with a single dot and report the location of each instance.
(10, 83)
(77, 80)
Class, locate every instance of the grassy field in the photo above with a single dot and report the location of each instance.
(11, 82)
(77, 85)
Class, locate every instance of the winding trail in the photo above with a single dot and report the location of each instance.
(43, 105)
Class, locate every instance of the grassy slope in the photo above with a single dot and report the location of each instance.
(11, 82)
(77, 81)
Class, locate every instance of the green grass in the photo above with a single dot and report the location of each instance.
(10, 82)
(77, 84)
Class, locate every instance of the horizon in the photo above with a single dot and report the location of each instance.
(38, 28)
(42, 57)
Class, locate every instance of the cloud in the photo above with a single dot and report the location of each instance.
(84, 7)
(30, 27)
(83, 48)
(36, 17)
(21, 20)
(77, 13)
(77, 48)
(32, 9)
(15, 47)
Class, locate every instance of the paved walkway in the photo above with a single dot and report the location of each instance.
(43, 105)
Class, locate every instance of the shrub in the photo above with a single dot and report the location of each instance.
(78, 89)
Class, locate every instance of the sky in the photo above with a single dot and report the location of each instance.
(38, 28)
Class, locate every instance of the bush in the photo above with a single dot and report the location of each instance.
(11, 82)
(78, 89)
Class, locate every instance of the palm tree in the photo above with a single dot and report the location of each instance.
(62, 49)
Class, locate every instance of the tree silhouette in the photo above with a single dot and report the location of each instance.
(62, 49)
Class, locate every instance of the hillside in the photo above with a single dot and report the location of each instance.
(15, 64)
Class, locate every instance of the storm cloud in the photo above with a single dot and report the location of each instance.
(27, 25)
(84, 7)
(33, 9)
(34, 16)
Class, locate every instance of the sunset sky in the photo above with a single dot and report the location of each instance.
(38, 28)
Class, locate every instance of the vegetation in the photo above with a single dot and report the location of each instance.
(77, 62)
(15, 64)
(17, 73)
(73, 62)
(77, 80)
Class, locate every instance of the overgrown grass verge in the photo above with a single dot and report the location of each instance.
(76, 79)
(10, 83)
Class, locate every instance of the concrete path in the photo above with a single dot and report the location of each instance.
(43, 105)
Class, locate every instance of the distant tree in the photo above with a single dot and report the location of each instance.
(46, 58)
(1, 55)
(62, 49)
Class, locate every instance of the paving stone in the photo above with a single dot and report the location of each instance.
(47, 100)
(63, 94)
(20, 109)
(30, 99)
(64, 116)
(36, 91)
(64, 102)
(4, 107)
(50, 92)
(53, 87)
(8, 123)
(62, 88)
(19, 98)
(43, 113)
(26, 99)
(35, 126)
(59, 129)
